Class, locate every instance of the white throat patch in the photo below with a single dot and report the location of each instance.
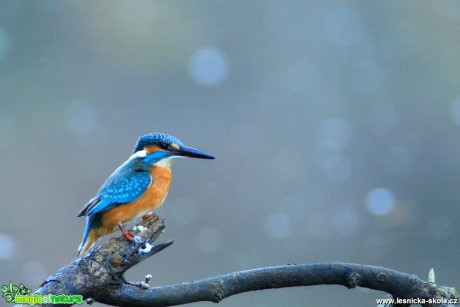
(166, 162)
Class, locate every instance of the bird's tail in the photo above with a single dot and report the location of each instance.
(89, 236)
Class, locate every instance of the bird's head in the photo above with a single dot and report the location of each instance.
(161, 148)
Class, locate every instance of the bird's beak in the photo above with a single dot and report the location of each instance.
(185, 151)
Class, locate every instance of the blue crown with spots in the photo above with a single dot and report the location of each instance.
(157, 139)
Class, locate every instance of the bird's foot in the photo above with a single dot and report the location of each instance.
(147, 215)
(126, 233)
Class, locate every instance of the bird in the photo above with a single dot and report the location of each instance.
(137, 187)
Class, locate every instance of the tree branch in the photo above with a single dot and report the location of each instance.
(99, 275)
(217, 288)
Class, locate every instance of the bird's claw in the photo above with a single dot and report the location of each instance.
(128, 236)
(126, 233)
(147, 215)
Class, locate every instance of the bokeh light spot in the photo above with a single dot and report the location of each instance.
(208, 67)
(80, 117)
(380, 201)
(209, 240)
(7, 246)
(278, 225)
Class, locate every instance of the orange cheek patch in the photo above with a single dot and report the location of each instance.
(151, 148)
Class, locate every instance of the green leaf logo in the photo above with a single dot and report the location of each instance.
(10, 291)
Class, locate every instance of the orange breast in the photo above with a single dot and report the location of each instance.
(150, 200)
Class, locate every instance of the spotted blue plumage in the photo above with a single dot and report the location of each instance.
(156, 139)
(125, 185)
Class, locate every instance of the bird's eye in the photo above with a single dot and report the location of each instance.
(164, 146)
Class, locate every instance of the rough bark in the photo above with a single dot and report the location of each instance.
(99, 275)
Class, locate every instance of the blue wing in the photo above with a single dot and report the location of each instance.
(124, 186)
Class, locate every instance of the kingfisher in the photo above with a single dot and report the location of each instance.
(137, 187)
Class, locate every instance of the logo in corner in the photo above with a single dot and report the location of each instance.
(9, 292)
(21, 295)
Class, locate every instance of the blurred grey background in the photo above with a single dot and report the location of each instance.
(336, 127)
